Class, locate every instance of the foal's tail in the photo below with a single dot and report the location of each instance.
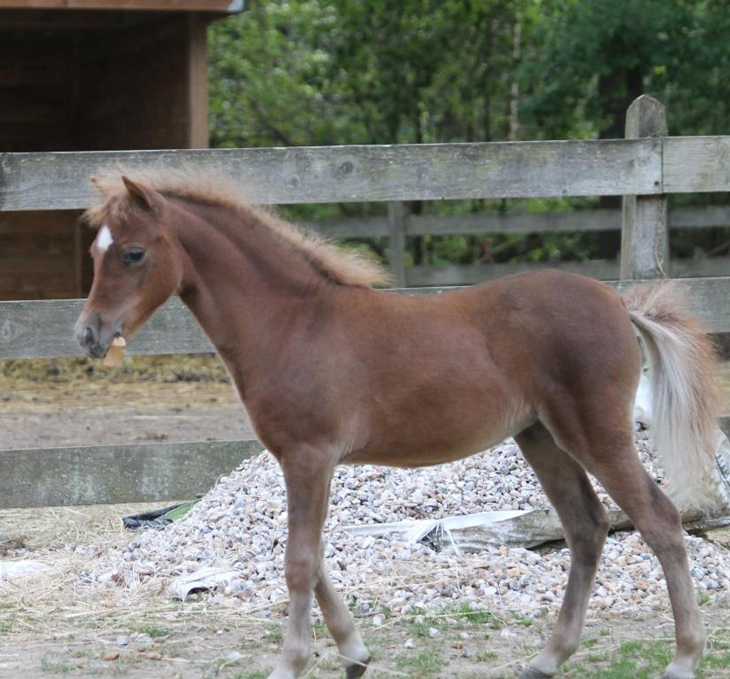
(685, 394)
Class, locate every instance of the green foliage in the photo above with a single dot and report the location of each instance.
(321, 72)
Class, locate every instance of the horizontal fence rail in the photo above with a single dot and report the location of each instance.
(602, 269)
(334, 174)
(88, 475)
(44, 329)
(589, 219)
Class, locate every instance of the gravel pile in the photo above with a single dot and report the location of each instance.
(241, 524)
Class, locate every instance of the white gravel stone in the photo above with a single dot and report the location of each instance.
(241, 524)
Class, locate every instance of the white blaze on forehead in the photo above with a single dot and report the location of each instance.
(104, 239)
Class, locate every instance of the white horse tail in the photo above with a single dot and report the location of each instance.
(685, 393)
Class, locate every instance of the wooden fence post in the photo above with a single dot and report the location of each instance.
(397, 250)
(644, 235)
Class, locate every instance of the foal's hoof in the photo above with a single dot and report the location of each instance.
(532, 673)
(356, 670)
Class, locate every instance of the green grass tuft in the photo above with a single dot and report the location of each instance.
(422, 665)
(155, 632)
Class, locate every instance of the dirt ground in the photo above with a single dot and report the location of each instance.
(76, 402)
(48, 629)
(181, 645)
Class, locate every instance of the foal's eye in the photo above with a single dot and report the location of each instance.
(133, 256)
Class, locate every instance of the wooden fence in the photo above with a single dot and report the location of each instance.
(643, 168)
(593, 219)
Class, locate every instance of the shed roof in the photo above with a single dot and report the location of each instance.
(214, 6)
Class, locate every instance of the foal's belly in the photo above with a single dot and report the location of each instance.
(431, 441)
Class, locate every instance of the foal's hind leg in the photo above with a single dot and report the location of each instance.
(658, 521)
(607, 451)
(585, 523)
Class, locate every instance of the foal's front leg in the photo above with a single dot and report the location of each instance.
(308, 475)
(353, 652)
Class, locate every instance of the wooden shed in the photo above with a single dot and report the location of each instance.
(85, 75)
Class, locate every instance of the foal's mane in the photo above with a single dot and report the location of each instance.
(343, 267)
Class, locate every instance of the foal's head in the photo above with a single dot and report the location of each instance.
(136, 267)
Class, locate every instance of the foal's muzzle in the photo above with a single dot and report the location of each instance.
(93, 338)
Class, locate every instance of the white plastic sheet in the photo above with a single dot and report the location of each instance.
(202, 580)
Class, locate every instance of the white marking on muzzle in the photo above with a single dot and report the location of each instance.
(104, 239)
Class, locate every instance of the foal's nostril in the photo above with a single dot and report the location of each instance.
(91, 330)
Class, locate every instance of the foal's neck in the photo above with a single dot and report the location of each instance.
(245, 284)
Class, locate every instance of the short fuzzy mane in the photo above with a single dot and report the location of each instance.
(344, 267)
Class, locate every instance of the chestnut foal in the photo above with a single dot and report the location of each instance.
(332, 371)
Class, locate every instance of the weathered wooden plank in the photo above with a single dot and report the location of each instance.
(644, 235)
(44, 329)
(227, 6)
(601, 269)
(397, 246)
(515, 222)
(696, 164)
(443, 275)
(350, 227)
(598, 219)
(34, 181)
(701, 217)
(53, 477)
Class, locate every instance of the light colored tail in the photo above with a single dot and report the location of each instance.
(685, 394)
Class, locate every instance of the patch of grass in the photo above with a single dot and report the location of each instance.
(274, 635)
(155, 632)
(319, 629)
(702, 598)
(590, 643)
(6, 625)
(525, 620)
(252, 674)
(597, 657)
(477, 617)
(640, 659)
(485, 656)
(715, 660)
(54, 666)
(420, 627)
(422, 665)
(632, 660)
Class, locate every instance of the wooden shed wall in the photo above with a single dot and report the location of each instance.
(139, 85)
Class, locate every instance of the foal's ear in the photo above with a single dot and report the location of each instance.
(148, 199)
